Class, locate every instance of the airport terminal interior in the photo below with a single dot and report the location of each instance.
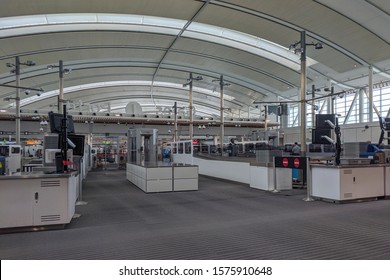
(195, 129)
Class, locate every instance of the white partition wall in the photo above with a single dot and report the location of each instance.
(229, 170)
(263, 178)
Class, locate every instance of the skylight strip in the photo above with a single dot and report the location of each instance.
(49, 94)
(34, 24)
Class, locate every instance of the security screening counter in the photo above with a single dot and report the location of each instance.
(352, 178)
(150, 175)
(163, 176)
(37, 200)
(349, 182)
(42, 199)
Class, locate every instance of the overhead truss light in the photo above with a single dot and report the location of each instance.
(189, 81)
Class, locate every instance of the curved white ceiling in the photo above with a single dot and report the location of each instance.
(146, 42)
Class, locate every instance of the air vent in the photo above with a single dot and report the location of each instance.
(50, 218)
(348, 171)
(348, 195)
(50, 183)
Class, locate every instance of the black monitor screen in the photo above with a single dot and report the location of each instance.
(78, 141)
(55, 120)
(321, 118)
(317, 134)
(315, 148)
(329, 148)
(288, 148)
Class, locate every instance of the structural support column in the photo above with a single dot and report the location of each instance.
(175, 137)
(17, 101)
(370, 95)
(330, 101)
(313, 90)
(191, 130)
(302, 99)
(361, 105)
(222, 132)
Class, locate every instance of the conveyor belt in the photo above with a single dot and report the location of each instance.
(222, 220)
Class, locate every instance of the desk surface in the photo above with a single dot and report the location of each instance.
(37, 175)
(349, 166)
(159, 164)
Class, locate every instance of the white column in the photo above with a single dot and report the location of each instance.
(303, 93)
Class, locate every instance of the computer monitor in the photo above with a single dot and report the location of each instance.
(321, 120)
(317, 134)
(79, 142)
(55, 120)
(315, 148)
(288, 148)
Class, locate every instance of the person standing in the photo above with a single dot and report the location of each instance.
(296, 150)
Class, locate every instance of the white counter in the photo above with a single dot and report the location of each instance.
(163, 177)
(343, 183)
(387, 181)
(37, 199)
(263, 178)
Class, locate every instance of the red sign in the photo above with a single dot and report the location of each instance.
(296, 162)
(285, 162)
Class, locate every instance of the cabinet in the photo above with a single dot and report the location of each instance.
(348, 182)
(28, 202)
(163, 177)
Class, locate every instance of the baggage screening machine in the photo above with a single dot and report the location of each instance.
(12, 159)
(150, 175)
(142, 145)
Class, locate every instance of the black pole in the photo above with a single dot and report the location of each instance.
(338, 142)
(64, 137)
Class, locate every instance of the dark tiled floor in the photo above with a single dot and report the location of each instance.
(223, 220)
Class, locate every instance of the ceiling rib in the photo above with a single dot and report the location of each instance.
(293, 27)
(174, 41)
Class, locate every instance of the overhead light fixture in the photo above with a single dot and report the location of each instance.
(318, 46)
(294, 47)
(189, 81)
(29, 63)
(199, 78)
(62, 70)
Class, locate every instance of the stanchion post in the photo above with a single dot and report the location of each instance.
(275, 190)
(308, 181)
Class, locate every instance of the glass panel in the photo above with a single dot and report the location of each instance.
(180, 148)
(187, 147)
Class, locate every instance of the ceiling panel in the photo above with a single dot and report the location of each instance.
(98, 55)
(383, 5)
(183, 9)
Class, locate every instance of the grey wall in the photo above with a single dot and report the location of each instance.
(114, 129)
(349, 133)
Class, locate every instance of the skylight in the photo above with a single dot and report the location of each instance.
(34, 24)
